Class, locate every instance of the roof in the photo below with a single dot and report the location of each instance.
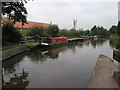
(28, 25)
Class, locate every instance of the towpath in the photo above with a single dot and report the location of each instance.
(102, 74)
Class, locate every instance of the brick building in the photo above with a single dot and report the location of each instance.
(26, 27)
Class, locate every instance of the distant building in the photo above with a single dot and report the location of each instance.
(26, 27)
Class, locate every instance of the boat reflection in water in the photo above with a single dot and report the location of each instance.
(54, 53)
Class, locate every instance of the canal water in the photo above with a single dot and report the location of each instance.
(68, 66)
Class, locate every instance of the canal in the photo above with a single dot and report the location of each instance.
(68, 66)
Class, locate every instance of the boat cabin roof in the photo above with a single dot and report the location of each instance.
(57, 38)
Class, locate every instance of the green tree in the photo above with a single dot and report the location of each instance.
(118, 29)
(14, 11)
(72, 33)
(86, 32)
(36, 30)
(10, 34)
(53, 30)
(113, 29)
(63, 32)
(79, 33)
(94, 30)
(102, 31)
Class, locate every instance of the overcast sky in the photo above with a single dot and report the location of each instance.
(62, 12)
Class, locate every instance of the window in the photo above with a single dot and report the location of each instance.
(54, 40)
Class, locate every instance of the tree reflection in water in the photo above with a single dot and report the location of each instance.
(73, 45)
(98, 42)
(10, 64)
(36, 57)
(114, 44)
(10, 67)
(16, 81)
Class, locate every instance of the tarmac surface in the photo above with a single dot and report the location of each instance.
(102, 76)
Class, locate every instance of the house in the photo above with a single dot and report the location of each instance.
(26, 27)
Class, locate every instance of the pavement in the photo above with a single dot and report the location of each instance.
(102, 76)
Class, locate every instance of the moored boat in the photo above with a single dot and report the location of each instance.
(54, 41)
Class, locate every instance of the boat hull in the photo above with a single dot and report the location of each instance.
(53, 44)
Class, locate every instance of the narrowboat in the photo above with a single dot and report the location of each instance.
(54, 41)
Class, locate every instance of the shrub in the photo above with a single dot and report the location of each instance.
(10, 34)
(36, 30)
(53, 30)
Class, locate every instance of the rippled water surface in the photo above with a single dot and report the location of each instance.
(68, 66)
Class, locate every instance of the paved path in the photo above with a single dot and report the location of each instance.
(102, 74)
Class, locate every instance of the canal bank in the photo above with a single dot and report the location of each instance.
(17, 50)
(102, 76)
(116, 55)
(25, 47)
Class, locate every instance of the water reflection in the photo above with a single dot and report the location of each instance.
(10, 65)
(17, 81)
(114, 44)
(98, 42)
(54, 53)
(12, 77)
(54, 67)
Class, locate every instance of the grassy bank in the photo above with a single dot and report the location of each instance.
(72, 37)
(8, 45)
(115, 40)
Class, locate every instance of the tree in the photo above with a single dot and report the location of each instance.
(102, 31)
(94, 30)
(36, 30)
(15, 11)
(79, 33)
(72, 33)
(63, 32)
(10, 34)
(99, 31)
(113, 29)
(53, 30)
(86, 32)
(118, 29)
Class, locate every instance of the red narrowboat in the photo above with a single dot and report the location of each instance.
(55, 41)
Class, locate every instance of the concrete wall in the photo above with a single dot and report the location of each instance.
(116, 55)
(14, 51)
(116, 52)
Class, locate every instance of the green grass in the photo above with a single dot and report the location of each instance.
(118, 49)
(7, 47)
(72, 37)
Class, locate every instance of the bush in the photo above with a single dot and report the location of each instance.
(10, 34)
(36, 30)
(53, 30)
